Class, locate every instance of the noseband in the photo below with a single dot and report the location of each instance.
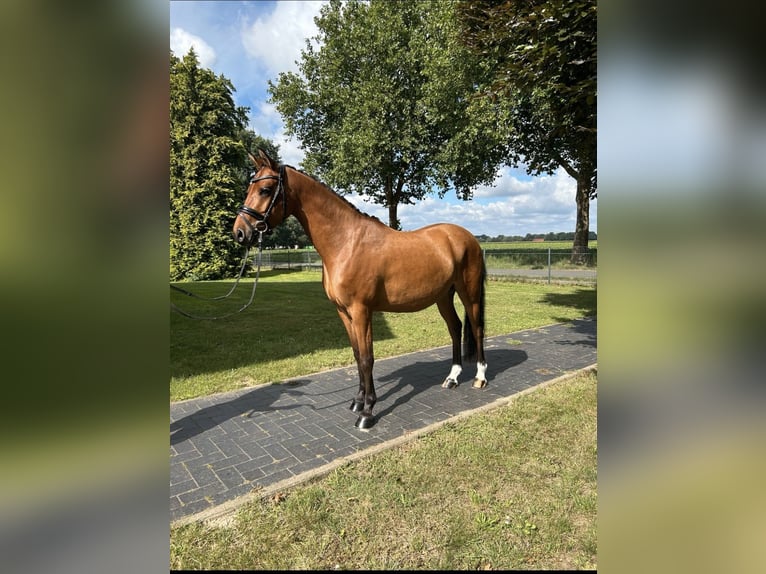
(262, 223)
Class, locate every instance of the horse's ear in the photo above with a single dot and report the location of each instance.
(267, 160)
(253, 160)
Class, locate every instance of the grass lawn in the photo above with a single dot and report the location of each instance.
(292, 329)
(511, 488)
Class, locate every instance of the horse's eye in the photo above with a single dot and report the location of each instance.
(265, 191)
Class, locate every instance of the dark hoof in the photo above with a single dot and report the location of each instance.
(356, 406)
(364, 423)
(449, 383)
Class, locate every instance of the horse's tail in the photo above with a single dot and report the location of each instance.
(470, 348)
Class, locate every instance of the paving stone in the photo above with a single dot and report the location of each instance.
(225, 445)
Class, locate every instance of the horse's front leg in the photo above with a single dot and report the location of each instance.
(361, 325)
(357, 403)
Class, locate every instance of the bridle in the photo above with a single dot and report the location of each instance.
(261, 226)
(262, 219)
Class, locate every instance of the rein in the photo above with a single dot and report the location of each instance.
(241, 272)
(261, 226)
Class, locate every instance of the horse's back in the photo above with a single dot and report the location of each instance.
(461, 241)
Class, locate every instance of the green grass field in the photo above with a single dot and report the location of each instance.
(292, 329)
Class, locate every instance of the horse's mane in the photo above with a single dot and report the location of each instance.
(336, 194)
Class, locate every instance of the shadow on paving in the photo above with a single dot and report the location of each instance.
(425, 375)
(582, 328)
(261, 399)
(412, 380)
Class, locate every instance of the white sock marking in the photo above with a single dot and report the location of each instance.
(481, 371)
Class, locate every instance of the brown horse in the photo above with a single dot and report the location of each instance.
(368, 267)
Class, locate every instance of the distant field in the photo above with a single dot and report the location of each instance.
(526, 254)
(545, 245)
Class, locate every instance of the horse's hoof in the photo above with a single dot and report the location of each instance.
(450, 383)
(365, 422)
(479, 383)
(356, 406)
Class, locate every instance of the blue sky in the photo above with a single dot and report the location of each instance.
(224, 38)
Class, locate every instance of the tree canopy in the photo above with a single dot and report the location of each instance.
(542, 56)
(379, 104)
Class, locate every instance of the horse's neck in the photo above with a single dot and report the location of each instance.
(328, 220)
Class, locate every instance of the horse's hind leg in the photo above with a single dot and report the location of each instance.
(473, 300)
(474, 317)
(446, 307)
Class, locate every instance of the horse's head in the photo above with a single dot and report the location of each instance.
(265, 204)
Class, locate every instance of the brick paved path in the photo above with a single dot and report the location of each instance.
(228, 445)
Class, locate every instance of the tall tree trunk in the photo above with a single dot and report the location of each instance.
(583, 177)
(580, 244)
(392, 201)
(393, 220)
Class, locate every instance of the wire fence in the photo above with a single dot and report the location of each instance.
(534, 264)
(542, 264)
(299, 259)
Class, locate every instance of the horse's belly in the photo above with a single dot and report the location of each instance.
(398, 298)
(406, 306)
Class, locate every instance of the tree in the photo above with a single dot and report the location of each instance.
(380, 109)
(207, 159)
(289, 234)
(543, 59)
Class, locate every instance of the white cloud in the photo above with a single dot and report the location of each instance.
(505, 185)
(181, 41)
(276, 39)
(265, 119)
(289, 150)
(559, 185)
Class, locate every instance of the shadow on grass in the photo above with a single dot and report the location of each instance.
(286, 319)
(584, 300)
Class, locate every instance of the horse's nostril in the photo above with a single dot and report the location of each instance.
(240, 236)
